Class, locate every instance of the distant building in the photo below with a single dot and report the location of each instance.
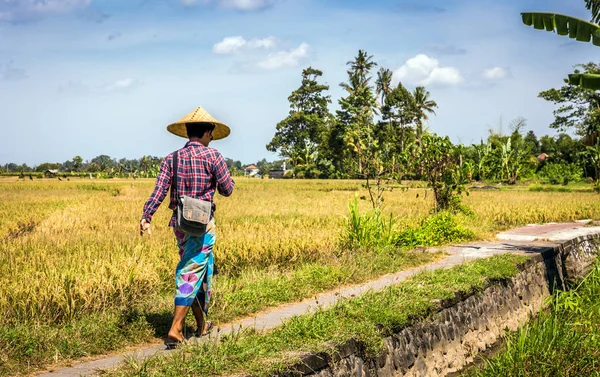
(251, 170)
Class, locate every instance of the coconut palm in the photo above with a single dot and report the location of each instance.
(575, 28)
(423, 106)
(383, 84)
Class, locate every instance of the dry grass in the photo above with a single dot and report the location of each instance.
(72, 249)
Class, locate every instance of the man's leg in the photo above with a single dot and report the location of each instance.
(199, 315)
(176, 332)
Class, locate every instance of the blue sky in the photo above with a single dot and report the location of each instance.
(91, 77)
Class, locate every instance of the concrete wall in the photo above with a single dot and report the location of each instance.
(466, 326)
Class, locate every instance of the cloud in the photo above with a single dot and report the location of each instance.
(113, 36)
(496, 73)
(246, 5)
(442, 49)
(231, 45)
(285, 59)
(26, 10)
(10, 73)
(417, 7)
(423, 70)
(240, 5)
(120, 85)
(95, 16)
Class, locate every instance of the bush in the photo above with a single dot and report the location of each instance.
(561, 173)
(436, 230)
(368, 230)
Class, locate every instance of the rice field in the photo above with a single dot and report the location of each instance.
(74, 267)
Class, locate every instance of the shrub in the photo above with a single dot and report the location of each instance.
(560, 173)
(369, 230)
(436, 230)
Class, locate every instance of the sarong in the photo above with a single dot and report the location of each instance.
(194, 272)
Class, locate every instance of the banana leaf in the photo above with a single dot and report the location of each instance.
(585, 80)
(575, 28)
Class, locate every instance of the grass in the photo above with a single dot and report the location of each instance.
(367, 320)
(564, 341)
(74, 253)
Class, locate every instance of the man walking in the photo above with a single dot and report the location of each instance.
(200, 172)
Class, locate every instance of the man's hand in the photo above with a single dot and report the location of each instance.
(144, 226)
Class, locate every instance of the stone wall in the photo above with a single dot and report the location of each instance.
(450, 340)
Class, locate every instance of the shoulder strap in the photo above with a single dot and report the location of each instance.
(174, 177)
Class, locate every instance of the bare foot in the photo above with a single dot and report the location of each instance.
(208, 325)
(175, 336)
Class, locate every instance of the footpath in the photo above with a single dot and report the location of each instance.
(531, 239)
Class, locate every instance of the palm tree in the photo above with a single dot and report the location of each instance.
(423, 106)
(361, 66)
(575, 28)
(383, 85)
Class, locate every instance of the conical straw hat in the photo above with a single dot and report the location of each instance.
(199, 115)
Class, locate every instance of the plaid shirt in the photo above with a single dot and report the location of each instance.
(200, 171)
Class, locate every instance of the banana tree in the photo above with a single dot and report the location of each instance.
(575, 28)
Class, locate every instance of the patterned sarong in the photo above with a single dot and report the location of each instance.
(195, 269)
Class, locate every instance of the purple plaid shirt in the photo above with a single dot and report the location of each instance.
(201, 170)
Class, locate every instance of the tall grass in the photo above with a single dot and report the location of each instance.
(71, 252)
(564, 341)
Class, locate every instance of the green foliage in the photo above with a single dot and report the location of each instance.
(436, 230)
(540, 188)
(562, 342)
(436, 157)
(306, 125)
(560, 173)
(366, 231)
(579, 107)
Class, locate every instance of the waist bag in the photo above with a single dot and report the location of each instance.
(192, 215)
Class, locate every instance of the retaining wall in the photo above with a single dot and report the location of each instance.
(466, 326)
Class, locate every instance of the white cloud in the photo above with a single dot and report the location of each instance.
(496, 73)
(423, 70)
(231, 45)
(22, 10)
(285, 59)
(246, 5)
(120, 85)
(241, 5)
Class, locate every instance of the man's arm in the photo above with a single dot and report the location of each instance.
(225, 184)
(163, 182)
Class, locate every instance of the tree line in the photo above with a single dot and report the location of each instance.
(379, 129)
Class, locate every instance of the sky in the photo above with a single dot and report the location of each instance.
(92, 77)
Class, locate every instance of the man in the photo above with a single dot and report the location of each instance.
(200, 172)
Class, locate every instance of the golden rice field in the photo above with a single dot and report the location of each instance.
(72, 249)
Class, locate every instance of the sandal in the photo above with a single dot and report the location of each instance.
(209, 326)
(172, 344)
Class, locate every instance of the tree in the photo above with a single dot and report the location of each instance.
(357, 110)
(103, 162)
(383, 83)
(308, 119)
(423, 107)
(579, 108)
(532, 142)
(438, 158)
(77, 163)
(575, 28)
(400, 110)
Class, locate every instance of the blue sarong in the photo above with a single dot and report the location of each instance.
(194, 272)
